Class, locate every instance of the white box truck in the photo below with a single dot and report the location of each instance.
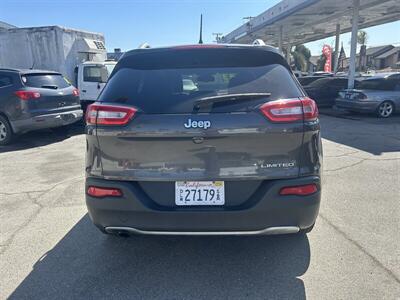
(79, 55)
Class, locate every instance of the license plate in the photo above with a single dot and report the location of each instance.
(67, 117)
(188, 193)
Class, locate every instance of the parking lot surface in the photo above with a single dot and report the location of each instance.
(50, 250)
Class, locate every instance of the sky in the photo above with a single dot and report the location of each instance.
(129, 23)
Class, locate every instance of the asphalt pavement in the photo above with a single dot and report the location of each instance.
(50, 250)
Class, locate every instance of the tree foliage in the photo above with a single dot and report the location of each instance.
(301, 57)
(362, 37)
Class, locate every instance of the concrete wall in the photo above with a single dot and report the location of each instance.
(49, 48)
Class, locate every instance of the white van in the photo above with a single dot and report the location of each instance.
(91, 79)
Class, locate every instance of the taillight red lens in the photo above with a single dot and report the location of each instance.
(26, 95)
(100, 192)
(109, 114)
(301, 190)
(290, 110)
(310, 109)
(75, 92)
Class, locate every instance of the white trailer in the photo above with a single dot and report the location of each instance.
(74, 53)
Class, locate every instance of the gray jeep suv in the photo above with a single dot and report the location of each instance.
(237, 151)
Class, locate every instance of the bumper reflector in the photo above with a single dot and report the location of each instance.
(301, 190)
(100, 192)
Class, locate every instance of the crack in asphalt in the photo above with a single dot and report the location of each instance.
(20, 193)
(8, 242)
(351, 155)
(341, 155)
(42, 191)
(345, 167)
(35, 201)
(361, 248)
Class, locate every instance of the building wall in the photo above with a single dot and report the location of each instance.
(49, 48)
(391, 60)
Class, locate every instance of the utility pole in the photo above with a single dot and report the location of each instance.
(201, 29)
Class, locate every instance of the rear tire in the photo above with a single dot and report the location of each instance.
(385, 109)
(6, 133)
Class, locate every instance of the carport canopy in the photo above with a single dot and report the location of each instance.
(294, 22)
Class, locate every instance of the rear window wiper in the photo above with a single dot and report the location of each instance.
(229, 97)
(53, 87)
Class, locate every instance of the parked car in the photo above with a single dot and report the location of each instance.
(378, 94)
(306, 80)
(35, 99)
(324, 91)
(240, 154)
(299, 74)
(323, 73)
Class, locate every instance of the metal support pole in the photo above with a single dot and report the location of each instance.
(280, 34)
(288, 52)
(354, 31)
(335, 59)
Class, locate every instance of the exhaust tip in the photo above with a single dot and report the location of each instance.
(119, 232)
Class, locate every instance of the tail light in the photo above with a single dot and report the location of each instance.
(301, 190)
(290, 110)
(26, 95)
(109, 114)
(75, 92)
(360, 96)
(100, 192)
(310, 109)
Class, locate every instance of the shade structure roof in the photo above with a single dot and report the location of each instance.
(305, 21)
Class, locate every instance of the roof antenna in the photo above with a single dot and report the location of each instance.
(33, 64)
(201, 29)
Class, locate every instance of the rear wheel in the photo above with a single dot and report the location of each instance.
(6, 133)
(385, 109)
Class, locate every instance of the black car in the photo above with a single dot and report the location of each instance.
(236, 151)
(306, 80)
(35, 99)
(324, 91)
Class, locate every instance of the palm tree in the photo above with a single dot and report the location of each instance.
(362, 38)
(301, 57)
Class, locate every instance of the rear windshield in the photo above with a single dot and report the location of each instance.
(49, 81)
(331, 82)
(175, 90)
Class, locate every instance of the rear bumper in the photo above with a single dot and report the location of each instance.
(269, 213)
(47, 121)
(360, 106)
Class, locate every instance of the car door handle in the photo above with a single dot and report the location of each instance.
(83, 91)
